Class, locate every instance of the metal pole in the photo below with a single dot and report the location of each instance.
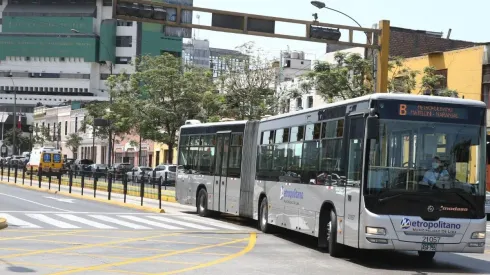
(93, 143)
(15, 120)
(3, 123)
(110, 129)
(139, 153)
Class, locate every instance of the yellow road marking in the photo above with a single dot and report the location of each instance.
(127, 272)
(251, 244)
(53, 241)
(178, 242)
(163, 250)
(86, 246)
(44, 235)
(40, 265)
(145, 259)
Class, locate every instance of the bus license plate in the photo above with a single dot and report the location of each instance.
(429, 247)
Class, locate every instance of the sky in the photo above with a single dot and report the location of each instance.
(467, 19)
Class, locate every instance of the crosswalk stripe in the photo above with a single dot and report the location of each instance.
(51, 221)
(85, 221)
(11, 220)
(157, 224)
(116, 221)
(188, 224)
(210, 222)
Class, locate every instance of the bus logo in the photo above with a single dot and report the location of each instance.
(405, 223)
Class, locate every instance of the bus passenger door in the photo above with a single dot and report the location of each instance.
(355, 148)
(220, 177)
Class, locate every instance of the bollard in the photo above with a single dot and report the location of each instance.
(95, 182)
(142, 188)
(159, 196)
(8, 173)
(59, 181)
(30, 175)
(23, 175)
(166, 180)
(109, 187)
(83, 181)
(125, 186)
(70, 180)
(2, 169)
(49, 178)
(15, 174)
(40, 175)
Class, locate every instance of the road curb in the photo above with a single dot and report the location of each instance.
(127, 205)
(3, 223)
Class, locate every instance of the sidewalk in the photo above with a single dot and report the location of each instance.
(117, 198)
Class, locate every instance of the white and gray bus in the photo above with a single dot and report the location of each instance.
(383, 171)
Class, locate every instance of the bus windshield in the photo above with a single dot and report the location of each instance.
(425, 156)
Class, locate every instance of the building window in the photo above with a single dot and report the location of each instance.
(66, 128)
(299, 103)
(76, 124)
(123, 60)
(443, 83)
(124, 41)
(123, 23)
(309, 102)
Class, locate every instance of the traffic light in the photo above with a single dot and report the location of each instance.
(324, 33)
(141, 10)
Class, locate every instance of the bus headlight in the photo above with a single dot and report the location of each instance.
(478, 235)
(375, 230)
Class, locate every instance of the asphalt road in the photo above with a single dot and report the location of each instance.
(50, 235)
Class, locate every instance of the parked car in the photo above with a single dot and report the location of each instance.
(102, 169)
(159, 172)
(136, 174)
(120, 169)
(82, 166)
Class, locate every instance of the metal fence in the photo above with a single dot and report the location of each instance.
(96, 183)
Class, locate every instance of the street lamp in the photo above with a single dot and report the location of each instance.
(321, 5)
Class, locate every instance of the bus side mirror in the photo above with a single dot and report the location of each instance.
(372, 127)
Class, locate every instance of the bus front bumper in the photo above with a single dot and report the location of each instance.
(476, 246)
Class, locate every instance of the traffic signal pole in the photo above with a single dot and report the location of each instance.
(259, 25)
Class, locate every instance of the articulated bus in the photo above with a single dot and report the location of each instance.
(383, 171)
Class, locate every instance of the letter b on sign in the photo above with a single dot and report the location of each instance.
(403, 109)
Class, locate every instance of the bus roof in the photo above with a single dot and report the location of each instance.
(386, 96)
(208, 124)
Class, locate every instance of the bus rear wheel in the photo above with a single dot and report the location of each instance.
(202, 203)
(264, 225)
(426, 256)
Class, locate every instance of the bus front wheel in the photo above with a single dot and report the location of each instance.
(264, 216)
(202, 203)
(334, 248)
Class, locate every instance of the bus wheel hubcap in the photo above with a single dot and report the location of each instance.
(201, 204)
(264, 218)
(329, 230)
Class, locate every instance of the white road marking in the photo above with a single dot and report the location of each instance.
(35, 202)
(210, 222)
(157, 224)
(51, 221)
(116, 221)
(61, 199)
(85, 221)
(188, 224)
(11, 220)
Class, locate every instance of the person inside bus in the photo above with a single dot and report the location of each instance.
(437, 172)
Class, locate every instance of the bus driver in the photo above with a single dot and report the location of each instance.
(437, 172)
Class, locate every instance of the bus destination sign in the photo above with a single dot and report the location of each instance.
(432, 111)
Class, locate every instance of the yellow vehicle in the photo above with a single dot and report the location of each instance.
(46, 159)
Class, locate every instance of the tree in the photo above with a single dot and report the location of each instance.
(21, 142)
(352, 76)
(249, 85)
(42, 135)
(73, 142)
(161, 95)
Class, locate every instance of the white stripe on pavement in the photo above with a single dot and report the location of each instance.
(51, 221)
(11, 220)
(188, 224)
(210, 222)
(85, 221)
(157, 224)
(116, 221)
